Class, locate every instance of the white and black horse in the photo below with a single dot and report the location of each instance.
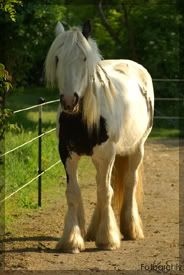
(106, 112)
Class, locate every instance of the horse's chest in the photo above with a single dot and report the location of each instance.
(74, 135)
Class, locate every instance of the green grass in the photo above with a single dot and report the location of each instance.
(22, 165)
(159, 133)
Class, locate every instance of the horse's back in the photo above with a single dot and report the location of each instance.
(126, 66)
(132, 70)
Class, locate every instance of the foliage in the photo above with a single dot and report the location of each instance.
(5, 85)
(5, 79)
(31, 36)
(8, 6)
(143, 30)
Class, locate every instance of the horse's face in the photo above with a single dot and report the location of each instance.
(71, 75)
(71, 71)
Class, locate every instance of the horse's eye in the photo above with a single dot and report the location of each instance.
(85, 58)
(57, 59)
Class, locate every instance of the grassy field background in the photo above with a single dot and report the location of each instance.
(22, 165)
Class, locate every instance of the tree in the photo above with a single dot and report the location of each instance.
(5, 84)
(143, 30)
(6, 7)
(30, 36)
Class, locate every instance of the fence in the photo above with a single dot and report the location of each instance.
(42, 103)
(171, 118)
(174, 106)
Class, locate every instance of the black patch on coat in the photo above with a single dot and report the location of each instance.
(75, 137)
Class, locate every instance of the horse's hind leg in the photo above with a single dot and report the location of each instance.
(130, 220)
(93, 227)
(106, 232)
(72, 240)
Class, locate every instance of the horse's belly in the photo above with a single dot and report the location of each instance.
(135, 123)
(131, 119)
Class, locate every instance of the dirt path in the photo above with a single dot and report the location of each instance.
(32, 246)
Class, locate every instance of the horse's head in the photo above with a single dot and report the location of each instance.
(70, 63)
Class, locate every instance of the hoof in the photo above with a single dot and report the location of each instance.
(135, 233)
(133, 237)
(67, 250)
(70, 247)
(108, 246)
(132, 229)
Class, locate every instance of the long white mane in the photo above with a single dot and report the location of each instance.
(62, 46)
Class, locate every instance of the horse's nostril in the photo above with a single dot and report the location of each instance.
(68, 103)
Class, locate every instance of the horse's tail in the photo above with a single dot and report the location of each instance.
(119, 172)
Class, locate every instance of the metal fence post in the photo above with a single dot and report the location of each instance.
(41, 100)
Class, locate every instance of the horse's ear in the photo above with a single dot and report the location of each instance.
(59, 28)
(86, 29)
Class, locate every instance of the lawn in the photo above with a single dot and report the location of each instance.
(22, 165)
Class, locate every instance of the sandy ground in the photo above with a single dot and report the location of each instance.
(32, 246)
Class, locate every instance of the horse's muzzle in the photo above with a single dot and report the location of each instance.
(70, 104)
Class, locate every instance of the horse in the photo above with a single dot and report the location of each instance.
(105, 112)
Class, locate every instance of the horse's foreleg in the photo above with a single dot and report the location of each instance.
(107, 232)
(130, 220)
(74, 227)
